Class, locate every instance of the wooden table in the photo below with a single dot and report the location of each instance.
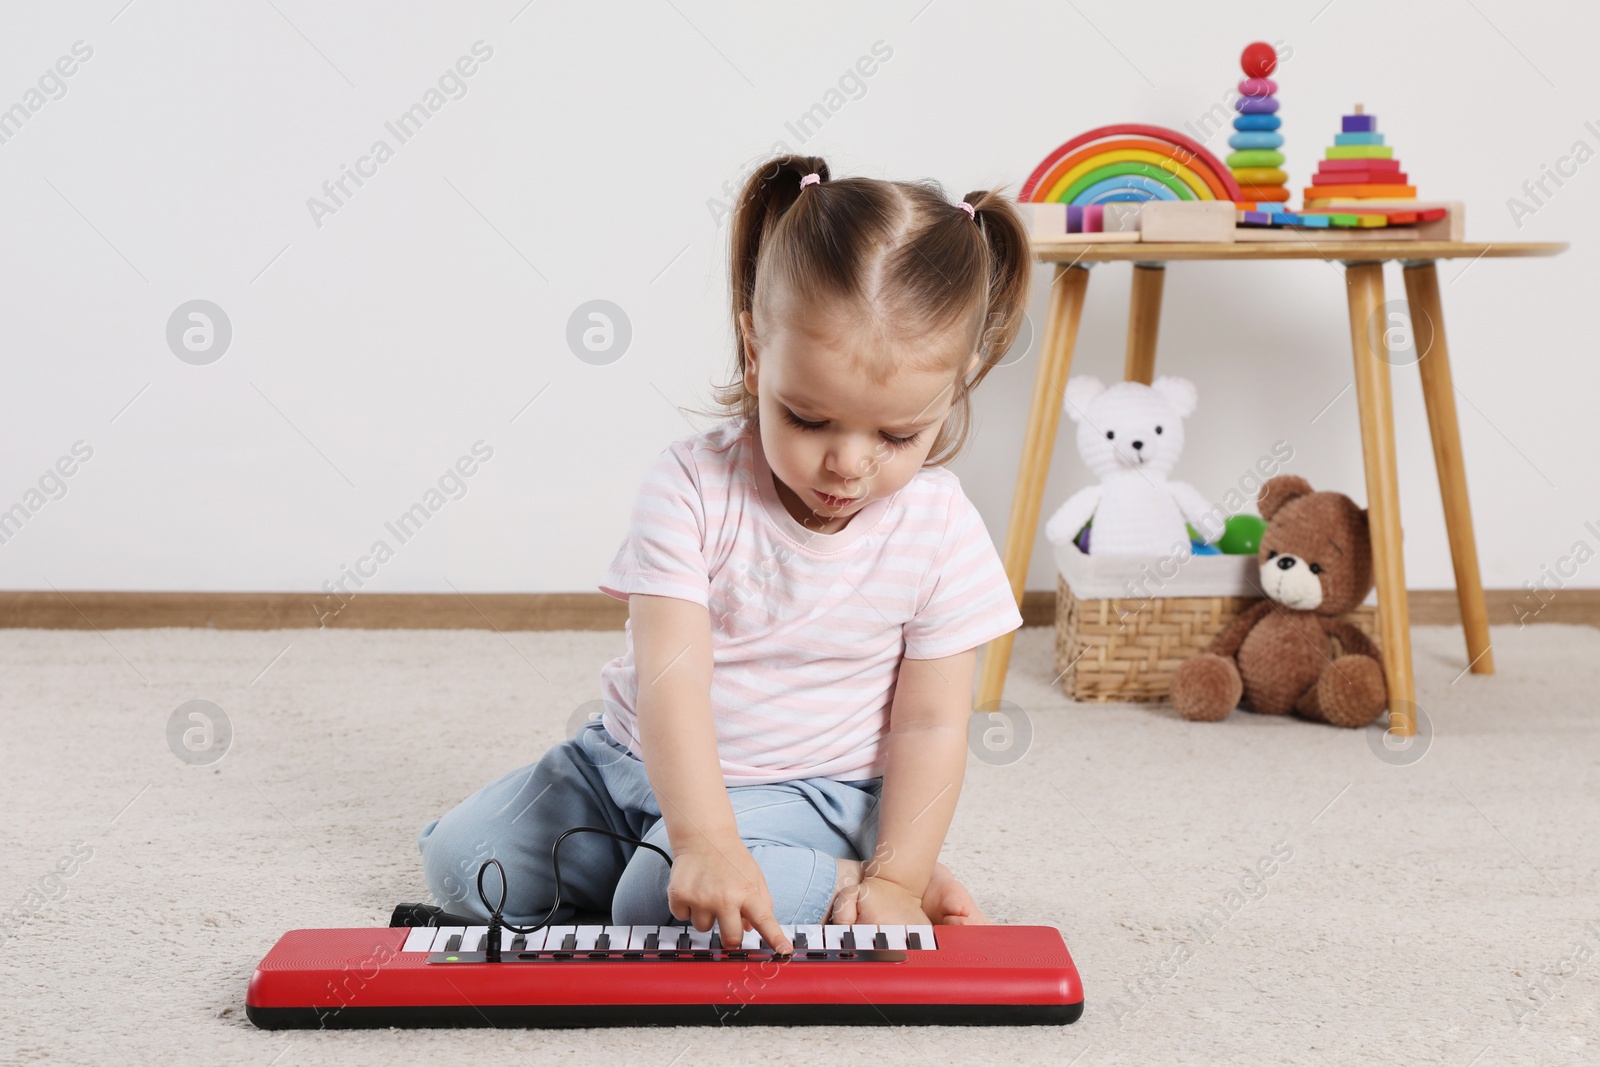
(1363, 269)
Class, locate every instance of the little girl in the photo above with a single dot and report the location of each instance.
(807, 588)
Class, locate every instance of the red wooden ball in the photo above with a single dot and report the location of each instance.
(1259, 60)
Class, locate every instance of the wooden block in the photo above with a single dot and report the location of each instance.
(1450, 227)
(1359, 151)
(1121, 218)
(1325, 237)
(1387, 192)
(1359, 123)
(1358, 164)
(1093, 214)
(1044, 220)
(1357, 177)
(1187, 220)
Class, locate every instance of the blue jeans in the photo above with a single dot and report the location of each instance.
(796, 831)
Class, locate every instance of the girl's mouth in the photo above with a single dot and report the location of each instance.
(834, 501)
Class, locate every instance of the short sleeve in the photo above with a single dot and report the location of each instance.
(966, 600)
(664, 551)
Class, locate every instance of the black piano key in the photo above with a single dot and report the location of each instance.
(799, 940)
(453, 944)
(652, 942)
(716, 940)
(880, 940)
(602, 942)
(847, 940)
(913, 939)
(519, 942)
(569, 943)
(483, 943)
(683, 941)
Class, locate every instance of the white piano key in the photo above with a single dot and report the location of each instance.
(557, 935)
(637, 934)
(505, 939)
(670, 934)
(928, 941)
(752, 939)
(813, 932)
(587, 936)
(832, 936)
(535, 941)
(420, 939)
(895, 935)
(788, 930)
(699, 939)
(442, 937)
(619, 937)
(471, 937)
(865, 933)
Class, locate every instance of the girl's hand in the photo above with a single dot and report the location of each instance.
(878, 901)
(719, 881)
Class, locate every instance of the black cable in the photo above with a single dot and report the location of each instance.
(491, 943)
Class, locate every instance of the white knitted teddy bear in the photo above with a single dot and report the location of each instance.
(1131, 435)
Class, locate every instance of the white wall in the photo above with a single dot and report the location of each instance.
(421, 317)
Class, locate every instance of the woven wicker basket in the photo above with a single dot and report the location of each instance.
(1120, 649)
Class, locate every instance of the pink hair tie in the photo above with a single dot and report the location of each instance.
(970, 210)
(810, 179)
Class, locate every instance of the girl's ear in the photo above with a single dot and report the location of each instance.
(1080, 393)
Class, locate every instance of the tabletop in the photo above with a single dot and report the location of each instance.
(1069, 251)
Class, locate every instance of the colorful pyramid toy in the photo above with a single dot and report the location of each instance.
(1359, 166)
(1255, 161)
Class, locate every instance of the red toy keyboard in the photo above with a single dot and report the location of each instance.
(568, 976)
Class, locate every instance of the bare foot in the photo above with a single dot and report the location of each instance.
(947, 901)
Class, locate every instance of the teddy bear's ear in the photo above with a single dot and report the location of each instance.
(1080, 393)
(1179, 392)
(1279, 491)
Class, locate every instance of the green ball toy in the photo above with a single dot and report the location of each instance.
(1241, 535)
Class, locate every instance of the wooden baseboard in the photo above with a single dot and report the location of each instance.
(102, 610)
(1429, 607)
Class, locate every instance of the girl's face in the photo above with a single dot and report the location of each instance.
(835, 439)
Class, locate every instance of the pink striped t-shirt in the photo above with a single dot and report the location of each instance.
(808, 629)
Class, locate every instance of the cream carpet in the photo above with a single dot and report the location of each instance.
(1441, 911)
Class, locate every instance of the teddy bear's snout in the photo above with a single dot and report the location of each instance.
(1287, 580)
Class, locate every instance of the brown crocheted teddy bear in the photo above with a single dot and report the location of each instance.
(1291, 652)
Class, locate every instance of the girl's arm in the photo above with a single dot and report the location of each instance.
(925, 762)
(714, 877)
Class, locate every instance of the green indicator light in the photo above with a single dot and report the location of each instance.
(452, 959)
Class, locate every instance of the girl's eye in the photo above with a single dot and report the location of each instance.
(894, 442)
(902, 442)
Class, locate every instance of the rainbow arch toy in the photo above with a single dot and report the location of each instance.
(1122, 163)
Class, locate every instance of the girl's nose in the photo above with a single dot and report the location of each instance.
(851, 460)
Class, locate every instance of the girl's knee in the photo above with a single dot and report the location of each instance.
(640, 898)
(800, 881)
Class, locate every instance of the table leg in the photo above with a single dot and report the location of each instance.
(1144, 321)
(1067, 292)
(1438, 393)
(1365, 284)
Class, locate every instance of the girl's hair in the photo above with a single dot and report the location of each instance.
(897, 257)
